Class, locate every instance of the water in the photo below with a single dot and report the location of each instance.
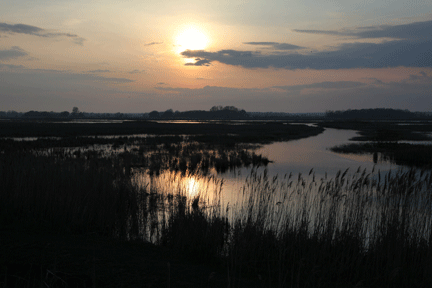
(300, 156)
(292, 157)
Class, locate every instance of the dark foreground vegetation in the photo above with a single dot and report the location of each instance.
(356, 230)
(100, 211)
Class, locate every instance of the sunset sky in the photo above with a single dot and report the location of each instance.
(281, 56)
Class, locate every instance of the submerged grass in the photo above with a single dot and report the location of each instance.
(355, 230)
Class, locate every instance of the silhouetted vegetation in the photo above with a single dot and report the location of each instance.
(375, 114)
(359, 229)
(356, 229)
(413, 155)
(383, 131)
(264, 132)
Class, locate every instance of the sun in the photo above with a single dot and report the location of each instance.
(191, 39)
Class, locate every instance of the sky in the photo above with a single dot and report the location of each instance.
(294, 56)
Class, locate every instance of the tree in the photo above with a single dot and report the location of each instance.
(64, 114)
(154, 114)
(75, 111)
(216, 108)
(230, 108)
(168, 113)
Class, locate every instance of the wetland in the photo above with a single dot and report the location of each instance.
(242, 203)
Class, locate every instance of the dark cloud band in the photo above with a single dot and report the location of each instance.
(408, 53)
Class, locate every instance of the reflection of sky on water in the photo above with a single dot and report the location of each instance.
(297, 156)
(300, 156)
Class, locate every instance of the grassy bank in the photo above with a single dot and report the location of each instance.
(414, 155)
(356, 230)
(384, 130)
(223, 133)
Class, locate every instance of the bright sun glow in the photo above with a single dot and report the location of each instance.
(192, 187)
(192, 39)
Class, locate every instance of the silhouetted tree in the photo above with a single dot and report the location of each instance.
(230, 108)
(64, 114)
(216, 108)
(154, 114)
(168, 114)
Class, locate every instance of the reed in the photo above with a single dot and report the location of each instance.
(347, 231)
(357, 229)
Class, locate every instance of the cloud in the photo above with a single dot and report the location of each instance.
(99, 71)
(36, 90)
(113, 80)
(10, 66)
(408, 53)
(36, 31)
(153, 43)
(14, 52)
(21, 28)
(161, 83)
(275, 45)
(412, 93)
(199, 62)
(415, 30)
(323, 85)
(136, 71)
(215, 90)
(66, 73)
(422, 75)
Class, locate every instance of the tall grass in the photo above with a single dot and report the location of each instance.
(355, 230)
(65, 195)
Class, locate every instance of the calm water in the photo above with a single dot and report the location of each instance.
(300, 156)
(236, 190)
(297, 156)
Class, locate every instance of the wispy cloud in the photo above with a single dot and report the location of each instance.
(37, 31)
(113, 80)
(14, 52)
(324, 85)
(153, 43)
(136, 71)
(11, 66)
(415, 30)
(66, 73)
(411, 93)
(276, 45)
(99, 71)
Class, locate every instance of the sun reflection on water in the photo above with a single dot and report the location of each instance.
(192, 187)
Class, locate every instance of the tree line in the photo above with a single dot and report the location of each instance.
(377, 113)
